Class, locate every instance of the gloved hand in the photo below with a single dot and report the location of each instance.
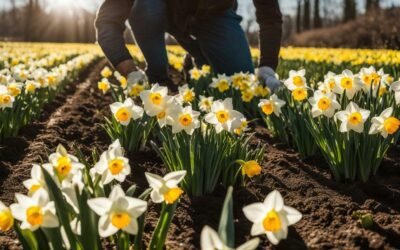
(267, 75)
(137, 76)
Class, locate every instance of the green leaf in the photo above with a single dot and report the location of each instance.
(226, 228)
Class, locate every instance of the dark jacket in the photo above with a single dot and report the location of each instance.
(110, 24)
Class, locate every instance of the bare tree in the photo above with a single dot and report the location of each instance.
(317, 17)
(298, 17)
(306, 15)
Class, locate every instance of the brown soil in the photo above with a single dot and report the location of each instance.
(327, 206)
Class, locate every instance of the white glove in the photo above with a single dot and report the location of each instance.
(136, 76)
(269, 77)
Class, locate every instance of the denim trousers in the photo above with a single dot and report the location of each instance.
(219, 42)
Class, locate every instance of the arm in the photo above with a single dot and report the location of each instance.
(269, 18)
(110, 26)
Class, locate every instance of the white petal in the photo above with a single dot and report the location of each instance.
(292, 215)
(155, 181)
(18, 211)
(274, 200)
(50, 220)
(172, 179)
(209, 239)
(156, 197)
(106, 229)
(116, 193)
(257, 229)
(250, 245)
(132, 228)
(255, 212)
(100, 205)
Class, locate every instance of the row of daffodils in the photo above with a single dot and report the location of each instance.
(74, 204)
(27, 84)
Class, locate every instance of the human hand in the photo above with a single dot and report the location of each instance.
(268, 76)
(136, 76)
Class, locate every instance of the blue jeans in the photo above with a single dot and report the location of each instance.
(220, 43)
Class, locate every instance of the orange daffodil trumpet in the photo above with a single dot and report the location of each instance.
(385, 123)
(271, 217)
(117, 212)
(165, 189)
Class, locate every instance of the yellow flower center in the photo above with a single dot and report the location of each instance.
(103, 86)
(222, 116)
(116, 166)
(272, 222)
(122, 80)
(376, 78)
(34, 215)
(156, 98)
(185, 119)
(172, 195)
(120, 219)
(6, 220)
(367, 80)
(346, 83)
(251, 168)
(268, 108)
(195, 74)
(30, 87)
(51, 80)
(63, 166)
(389, 79)
(188, 96)
(247, 96)
(223, 85)
(123, 115)
(298, 81)
(161, 115)
(136, 90)
(332, 84)
(355, 118)
(14, 90)
(324, 103)
(299, 94)
(391, 125)
(5, 99)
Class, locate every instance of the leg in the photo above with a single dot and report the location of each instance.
(148, 20)
(224, 44)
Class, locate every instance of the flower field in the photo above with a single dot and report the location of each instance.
(91, 161)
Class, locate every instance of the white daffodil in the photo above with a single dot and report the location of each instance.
(244, 126)
(124, 112)
(222, 83)
(385, 124)
(353, 118)
(223, 116)
(6, 218)
(172, 106)
(63, 166)
(210, 240)
(6, 99)
(117, 212)
(14, 88)
(165, 188)
(205, 103)
(369, 76)
(324, 104)
(195, 74)
(104, 85)
(36, 211)
(113, 165)
(185, 119)
(272, 105)
(395, 87)
(154, 99)
(271, 217)
(186, 94)
(296, 80)
(31, 86)
(329, 82)
(36, 182)
(347, 82)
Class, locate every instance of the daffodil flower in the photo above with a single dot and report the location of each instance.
(165, 189)
(250, 168)
(36, 182)
(223, 116)
(185, 119)
(6, 99)
(106, 72)
(186, 94)
(63, 166)
(113, 165)
(240, 80)
(35, 212)
(347, 82)
(124, 112)
(323, 104)
(205, 103)
(154, 99)
(210, 240)
(272, 105)
(195, 74)
(222, 83)
(104, 85)
(6, 218)
(117, 212)
(353, 118)
(395, 87)
(296, 80)
(385, 123)
(271, 217)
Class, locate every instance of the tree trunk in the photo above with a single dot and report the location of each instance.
(317, 17)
